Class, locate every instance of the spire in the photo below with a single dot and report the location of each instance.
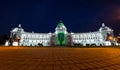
(19, 25)
(103, 24)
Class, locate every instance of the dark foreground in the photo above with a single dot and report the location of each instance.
(25, 58)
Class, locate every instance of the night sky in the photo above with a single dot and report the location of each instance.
(44, 15)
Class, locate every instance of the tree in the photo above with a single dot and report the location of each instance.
(3, 39)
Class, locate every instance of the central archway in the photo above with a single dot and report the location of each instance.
(61, 39)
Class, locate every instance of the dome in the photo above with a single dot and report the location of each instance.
(19, 28)
(104, 28)
(60, 27)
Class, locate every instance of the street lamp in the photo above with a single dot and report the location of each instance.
(110, 37)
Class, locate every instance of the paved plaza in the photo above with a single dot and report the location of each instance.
(25, 58)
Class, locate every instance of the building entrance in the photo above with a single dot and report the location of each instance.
(61, 39)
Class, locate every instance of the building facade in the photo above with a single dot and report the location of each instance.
(103, 37)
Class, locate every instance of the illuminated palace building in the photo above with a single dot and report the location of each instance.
(103, 37)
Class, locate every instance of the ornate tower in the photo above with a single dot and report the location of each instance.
(60, 34)
(16, 34)
(107, 33)
(60, 28)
